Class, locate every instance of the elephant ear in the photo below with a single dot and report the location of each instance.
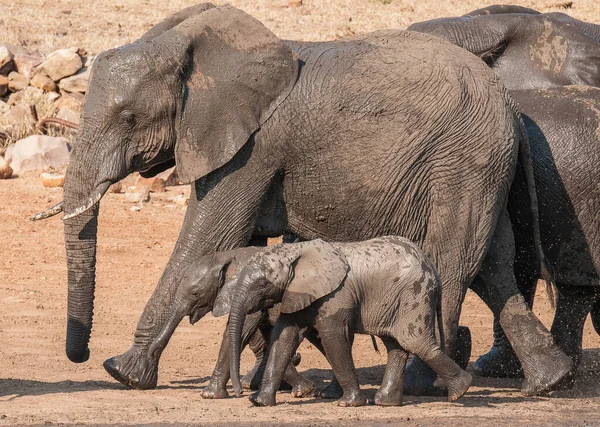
(319, 270)
(222, 304)
(176, 19)
(235, 74)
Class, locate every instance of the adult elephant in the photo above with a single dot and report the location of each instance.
(563, 125)
(389, 133)
(526, 50)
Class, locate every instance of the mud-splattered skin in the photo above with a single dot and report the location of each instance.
(392, 132)
(526, 50)
(563, 125)
(384, 286)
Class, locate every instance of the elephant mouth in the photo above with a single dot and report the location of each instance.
(94, 198)
(156, 169)
(198, 314)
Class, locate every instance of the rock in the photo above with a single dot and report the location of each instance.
(77, 83)
(116, 188)
(181, 200)
(3, 85)
(5, 170)
(42, 81)
(26, 64)
(8, 153)
(89, 61)
(135, 208)
(6, 60)
(155, 184)
(51, 180)
(68, 115)
(17, 81)
(62, 63)
(52, 96)
(30, 91)
(37, 152)
(70, 101)
(18, 115)
(4, 108)
(170, 177)
(137, 195)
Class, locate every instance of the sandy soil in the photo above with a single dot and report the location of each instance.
(38, 385)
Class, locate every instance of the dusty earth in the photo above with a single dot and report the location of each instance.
(38, 385)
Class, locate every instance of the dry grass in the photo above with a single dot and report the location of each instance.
(46, 25)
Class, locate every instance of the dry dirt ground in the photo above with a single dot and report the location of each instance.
(39, 386)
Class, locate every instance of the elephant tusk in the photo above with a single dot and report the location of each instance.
(95, 198)
(54, 210)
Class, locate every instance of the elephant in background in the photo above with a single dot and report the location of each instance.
(392, 132)
(526, 50)
(384, 286)
(563, 125)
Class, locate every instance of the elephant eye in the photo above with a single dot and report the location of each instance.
(128, 117)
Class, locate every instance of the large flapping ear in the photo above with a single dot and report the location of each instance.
(235, 74)
(176, 19)
(234, 261)
(319, 270)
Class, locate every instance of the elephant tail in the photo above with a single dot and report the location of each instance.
(546, 271)
(595, 315)
(375, 346)
(438, 313)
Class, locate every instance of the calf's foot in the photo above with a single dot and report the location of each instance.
(332, 391)
(213, 391)
(458, 385)
(388, 397)
(304, 388)
(261, 399)
(353, 399)
(133, 369)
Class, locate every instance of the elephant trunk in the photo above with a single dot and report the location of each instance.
(80, 244)
(237, 318)
(175, 316)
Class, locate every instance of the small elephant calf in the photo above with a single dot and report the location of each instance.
(385, 287)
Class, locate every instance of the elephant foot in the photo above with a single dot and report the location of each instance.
(388, 398)
(213, 391)
(133, 369)
(259, 399)
(421, 380)
(500, 362)
(458, 386)
(304, 388)
(552, 372)
(332, 391)
(352, 399)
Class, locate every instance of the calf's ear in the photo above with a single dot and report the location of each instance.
(318, 271)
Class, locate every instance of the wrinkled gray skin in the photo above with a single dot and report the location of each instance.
(563, 125)
(297, 154)
(384, 286)
(206, 286)
(526, 50)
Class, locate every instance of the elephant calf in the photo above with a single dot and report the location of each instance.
(206, 285)
(384, 286)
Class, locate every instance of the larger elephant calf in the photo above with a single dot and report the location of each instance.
(392, 132)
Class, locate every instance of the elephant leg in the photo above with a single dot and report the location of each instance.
(337, 341)
(235, 192)
(501, 361)
(392, 385)
(333, 390)
(544, 364)
(285, 339)
(217, 386)
(574, 304)
(259, 346)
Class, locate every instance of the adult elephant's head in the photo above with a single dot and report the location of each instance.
(193, 96)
